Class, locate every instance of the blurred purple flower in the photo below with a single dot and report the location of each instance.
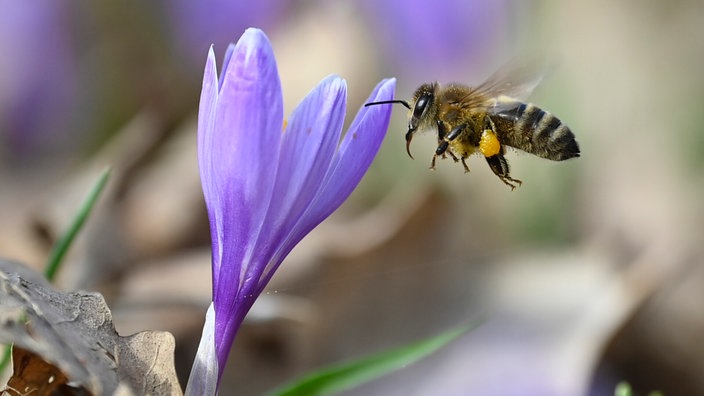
(197, 25)
(266, 187)
(36, 76)
(447, 38)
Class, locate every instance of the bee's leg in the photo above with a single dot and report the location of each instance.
(499, 165)
(489, 144)
(439, 152)
(455, 132)
(442, 148)
(446, 138)
(442, 144)
(464, 164)
(443, 151)
(493, 151)
(453, 156)
(442, 130)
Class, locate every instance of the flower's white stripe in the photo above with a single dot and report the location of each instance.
(204, 373)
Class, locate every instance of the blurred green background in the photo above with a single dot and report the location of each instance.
(588, 274)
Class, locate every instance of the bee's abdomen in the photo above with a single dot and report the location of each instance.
(538, 132)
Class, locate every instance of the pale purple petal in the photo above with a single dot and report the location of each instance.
(308, 147)
(225, 62)
(239, 157)
(244, 154)
(353, 158)
(355, 155)
(206, 120)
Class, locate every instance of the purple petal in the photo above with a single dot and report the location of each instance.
(238, 158)
(244, 153)
(225, 62)
(308, 147)
(353, 158)
(206, 123)
(358, 149)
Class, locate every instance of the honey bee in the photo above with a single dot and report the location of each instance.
(487, 118)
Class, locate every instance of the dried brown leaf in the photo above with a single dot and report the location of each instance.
(73, 331)
(33, 375)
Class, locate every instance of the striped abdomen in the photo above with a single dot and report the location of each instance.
(531, 129)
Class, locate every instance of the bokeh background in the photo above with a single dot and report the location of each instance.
(590, 273)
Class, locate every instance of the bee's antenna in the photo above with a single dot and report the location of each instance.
(403, 102)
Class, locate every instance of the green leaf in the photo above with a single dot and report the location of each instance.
(345, 376)
(623, 389)
(62, 245)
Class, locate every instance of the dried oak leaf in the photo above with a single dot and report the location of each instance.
(73, 331)
(33, 375)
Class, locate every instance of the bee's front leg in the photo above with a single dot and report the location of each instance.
(442, 130)
(442, 144)
(444, 138)
(455, 132)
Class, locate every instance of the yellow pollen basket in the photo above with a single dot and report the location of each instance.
(489, 144)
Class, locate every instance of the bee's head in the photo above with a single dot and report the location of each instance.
(420, 113)
(423, 100)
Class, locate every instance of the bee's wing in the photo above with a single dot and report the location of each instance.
(510, 85)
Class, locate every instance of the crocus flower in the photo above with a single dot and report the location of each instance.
(442, 39)
(37, 79)
(195, 25)
(267, 182)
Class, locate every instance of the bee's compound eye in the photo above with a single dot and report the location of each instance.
(422, 103)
